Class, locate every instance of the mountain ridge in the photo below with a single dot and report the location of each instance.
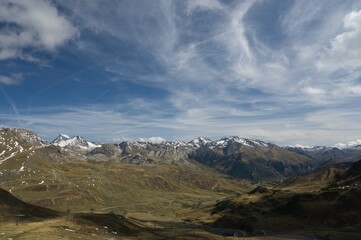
(244, 158)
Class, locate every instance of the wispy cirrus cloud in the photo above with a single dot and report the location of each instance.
(227, 66)
(186, 68)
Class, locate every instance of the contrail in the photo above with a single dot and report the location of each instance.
(100, 95)
(10, 102)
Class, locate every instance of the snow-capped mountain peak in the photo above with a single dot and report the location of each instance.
(199, 141)
(78, 142)
(62, 137)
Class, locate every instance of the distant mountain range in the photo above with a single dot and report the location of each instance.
(322, 153)
(254, 160)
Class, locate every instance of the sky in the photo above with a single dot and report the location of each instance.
(288, 71)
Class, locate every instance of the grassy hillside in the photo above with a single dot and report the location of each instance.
(42, 224)
(324, 206)
(61, 179)
(10, 206)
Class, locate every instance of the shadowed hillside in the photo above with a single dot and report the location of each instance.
(10, 205)
(324, 204)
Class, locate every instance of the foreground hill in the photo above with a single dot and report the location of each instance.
(17, 140)
(320, 177)
(10, 206)
(323, 211)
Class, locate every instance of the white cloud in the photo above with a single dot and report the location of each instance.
(31, 23)
(12, 79)
(349, 144)
(202, 5)
(354, 90)
(313, 91)
(345, 48)
(152, 139)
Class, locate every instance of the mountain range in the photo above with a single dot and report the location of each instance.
(252, 160)
(322, 153)
(231, 186)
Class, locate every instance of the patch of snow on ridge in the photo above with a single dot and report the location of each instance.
(175, 144)
(242, 141)
(22, 167)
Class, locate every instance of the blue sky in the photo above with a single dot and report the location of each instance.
(287, 71)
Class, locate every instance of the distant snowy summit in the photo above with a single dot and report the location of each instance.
(76, 142)
(199, 141)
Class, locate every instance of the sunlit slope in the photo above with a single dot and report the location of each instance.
(328, 205)
(62, 179)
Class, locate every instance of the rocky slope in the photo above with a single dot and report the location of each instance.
(16, 141)
(148, 153)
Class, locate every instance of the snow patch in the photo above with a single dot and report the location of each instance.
(22, 167)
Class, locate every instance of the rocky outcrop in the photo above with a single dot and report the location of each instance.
(108, 150)
(149, 153)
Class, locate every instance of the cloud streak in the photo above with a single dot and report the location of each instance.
(13, 79)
